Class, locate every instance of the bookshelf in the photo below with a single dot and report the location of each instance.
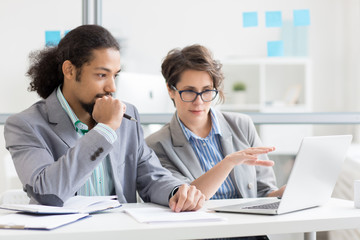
(273, 85)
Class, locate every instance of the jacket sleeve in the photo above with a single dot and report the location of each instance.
(164, 151)
(155, 183)
(48, 179)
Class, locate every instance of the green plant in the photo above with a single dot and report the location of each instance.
(239, 86)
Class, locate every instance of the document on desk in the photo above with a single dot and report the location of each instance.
(77, 204)
(166, 215)
(38, 222)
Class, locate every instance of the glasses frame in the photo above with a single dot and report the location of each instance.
(197, 94)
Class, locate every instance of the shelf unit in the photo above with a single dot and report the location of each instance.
(273, 85)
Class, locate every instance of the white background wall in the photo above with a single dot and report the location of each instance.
(152, 28)
(149, 29)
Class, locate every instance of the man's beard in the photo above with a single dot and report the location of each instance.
(89, 107)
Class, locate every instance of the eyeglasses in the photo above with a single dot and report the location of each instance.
(190, 95)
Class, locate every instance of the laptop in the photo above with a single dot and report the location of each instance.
(152, 89)
(311, 181)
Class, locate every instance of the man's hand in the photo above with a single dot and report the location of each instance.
(187, 198)
(109, 111)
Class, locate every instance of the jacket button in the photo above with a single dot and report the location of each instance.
(250, 185)
(93, 158)
(100, 150)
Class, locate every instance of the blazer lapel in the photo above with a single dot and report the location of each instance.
(239, 174)
(114, 156)
(61, 123)
(183, 149)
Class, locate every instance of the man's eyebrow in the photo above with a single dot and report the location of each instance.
(106, 69)
(103, 68)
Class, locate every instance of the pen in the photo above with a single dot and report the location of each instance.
(129, 117)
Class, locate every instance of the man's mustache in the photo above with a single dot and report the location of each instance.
(104, 94)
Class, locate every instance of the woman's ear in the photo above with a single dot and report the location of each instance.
(171, 92)
(68, 70)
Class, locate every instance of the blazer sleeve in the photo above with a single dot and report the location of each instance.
(50, 177)
(160, 142)
(155, 183)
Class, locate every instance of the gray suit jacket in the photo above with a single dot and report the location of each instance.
(238, 133)
(53, 162)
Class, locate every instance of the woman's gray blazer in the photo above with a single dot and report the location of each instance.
(238, 133)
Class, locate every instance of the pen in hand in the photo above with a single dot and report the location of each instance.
(129, 117)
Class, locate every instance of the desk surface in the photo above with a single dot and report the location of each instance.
(115, 224)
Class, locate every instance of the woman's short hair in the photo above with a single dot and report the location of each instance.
(193, 57)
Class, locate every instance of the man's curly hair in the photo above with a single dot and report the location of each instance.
(77, 46)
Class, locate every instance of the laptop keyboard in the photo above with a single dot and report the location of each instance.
(273, 205)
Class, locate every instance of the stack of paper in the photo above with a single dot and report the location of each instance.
(166, 215)
(77, 204)
(31, 216)
(39, 222)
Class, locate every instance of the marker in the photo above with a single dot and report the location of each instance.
(129, 117)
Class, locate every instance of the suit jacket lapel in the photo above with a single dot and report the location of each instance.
(115, 163)
(239, 174)
(183, 149)
(61, 123)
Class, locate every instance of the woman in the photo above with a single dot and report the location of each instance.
(220, 153)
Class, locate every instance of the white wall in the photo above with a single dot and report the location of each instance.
(23, 24)
(152, 28)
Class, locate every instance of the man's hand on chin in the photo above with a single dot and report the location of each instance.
(187, 198)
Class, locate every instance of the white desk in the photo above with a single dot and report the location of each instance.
(336, 214)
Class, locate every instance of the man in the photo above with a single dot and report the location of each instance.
(75, 140)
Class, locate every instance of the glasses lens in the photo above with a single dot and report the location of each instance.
(188, 96)
(208, 95)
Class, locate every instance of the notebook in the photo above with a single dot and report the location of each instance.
(38, 222)
(76, 204)
(311, 181)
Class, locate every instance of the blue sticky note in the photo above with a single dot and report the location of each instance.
(273, 19)
(275, 48)
(250, 19)
(52, 38)
(301, 17)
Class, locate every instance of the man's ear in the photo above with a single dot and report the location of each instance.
(69, 70)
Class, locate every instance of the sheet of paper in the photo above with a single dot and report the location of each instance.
(86, 204)
(37, 209)
(52, 38)
(301, 17)
(46, 222)
(273, 19)
(275, 48)
(250, 19)
(162, 215)
(77, 204)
